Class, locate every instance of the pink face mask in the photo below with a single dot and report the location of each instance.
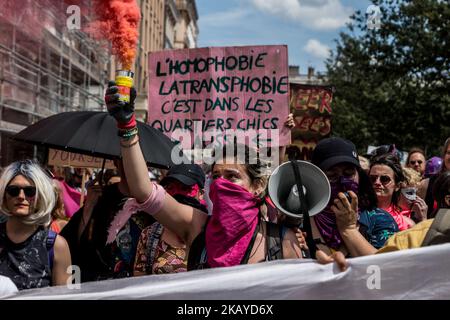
(232, 224)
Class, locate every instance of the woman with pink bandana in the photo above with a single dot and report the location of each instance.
(236, 232)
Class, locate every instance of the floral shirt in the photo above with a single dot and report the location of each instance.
(167, 258)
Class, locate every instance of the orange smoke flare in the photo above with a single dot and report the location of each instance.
(118, 21)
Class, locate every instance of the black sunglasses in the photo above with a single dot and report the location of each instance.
(14, 191)
(383, 179)
(414, 162)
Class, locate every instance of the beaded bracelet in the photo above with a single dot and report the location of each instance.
(128, 134)
(129, 145)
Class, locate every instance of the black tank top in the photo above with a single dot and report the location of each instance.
(26, 263)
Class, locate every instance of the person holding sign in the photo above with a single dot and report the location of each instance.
(235, 233)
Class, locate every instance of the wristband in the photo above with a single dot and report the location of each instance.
(129, 125)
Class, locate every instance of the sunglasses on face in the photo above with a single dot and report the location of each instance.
(383, 179)
(413, 162)
(14, 191)
(335, 175)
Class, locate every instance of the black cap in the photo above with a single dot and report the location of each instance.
(187, 174)
(332, 151)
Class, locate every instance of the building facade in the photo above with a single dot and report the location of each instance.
(165, 24)
(48, 68)
(172, 18)
(186, 31)
(151, 38)
(311, 77)
(45, 68)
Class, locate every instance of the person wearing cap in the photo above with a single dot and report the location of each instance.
(160, 250)
(351, 223)
(185, 179)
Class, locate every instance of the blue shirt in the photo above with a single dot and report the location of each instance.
(377, 226)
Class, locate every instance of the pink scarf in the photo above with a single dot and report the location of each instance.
(71, 198)
(232, 224)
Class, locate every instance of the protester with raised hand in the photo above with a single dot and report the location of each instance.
(236, 232)
(30, 254)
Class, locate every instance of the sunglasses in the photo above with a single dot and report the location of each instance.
(414, 162)
(383, 179)
(14, 191)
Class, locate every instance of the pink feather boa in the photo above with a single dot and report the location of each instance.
(152, 205)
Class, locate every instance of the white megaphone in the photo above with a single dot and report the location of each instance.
(284, 193)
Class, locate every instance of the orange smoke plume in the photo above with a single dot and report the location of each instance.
(118, 22)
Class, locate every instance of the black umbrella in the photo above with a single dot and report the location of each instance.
(95, 134)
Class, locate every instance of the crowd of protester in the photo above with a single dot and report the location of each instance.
(135, 223)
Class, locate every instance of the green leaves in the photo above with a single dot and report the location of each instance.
(392, 83)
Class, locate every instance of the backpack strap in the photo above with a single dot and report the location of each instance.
(156, 231)
(274, 238)
(197, 258)
(439, 231)
(250, 245)
(50, 244)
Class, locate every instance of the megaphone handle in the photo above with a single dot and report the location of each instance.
(304, 208)
(305, 254)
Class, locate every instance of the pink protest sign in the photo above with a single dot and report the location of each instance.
(214, 91)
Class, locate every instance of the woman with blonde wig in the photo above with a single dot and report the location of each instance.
(30, 255)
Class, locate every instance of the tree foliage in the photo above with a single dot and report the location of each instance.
(392, 82)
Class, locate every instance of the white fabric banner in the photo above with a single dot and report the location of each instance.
(422, 273)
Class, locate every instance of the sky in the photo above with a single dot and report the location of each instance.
(307, 27)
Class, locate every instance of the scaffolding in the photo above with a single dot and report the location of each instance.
(63, 70)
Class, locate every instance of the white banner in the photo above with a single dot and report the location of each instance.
(422, 273)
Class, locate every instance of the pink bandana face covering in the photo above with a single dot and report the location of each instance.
(232, 224)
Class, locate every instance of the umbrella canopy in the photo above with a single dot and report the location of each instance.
(95, 134)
